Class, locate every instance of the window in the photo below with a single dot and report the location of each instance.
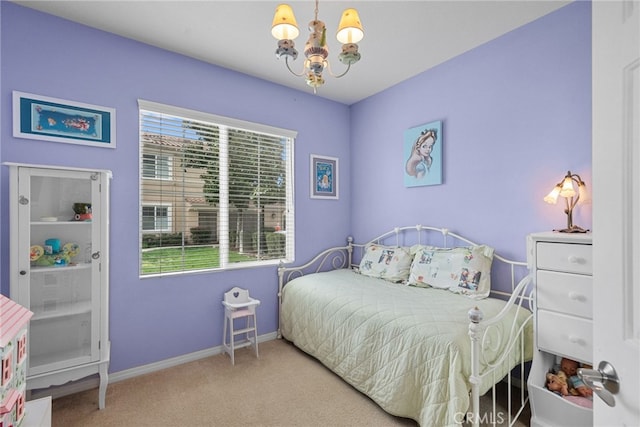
(155, 218)
(156, 166)
(215, 192)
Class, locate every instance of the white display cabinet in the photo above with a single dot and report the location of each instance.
(59, 269)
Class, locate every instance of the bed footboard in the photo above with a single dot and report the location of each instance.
(329, 259)
(479, 333)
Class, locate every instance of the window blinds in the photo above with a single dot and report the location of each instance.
(214, 192)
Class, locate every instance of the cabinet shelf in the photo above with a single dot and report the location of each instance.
(54, 361)
(58, 223)
(62, 310)
(37, 270)
(83, 266)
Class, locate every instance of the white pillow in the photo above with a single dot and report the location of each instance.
(463, 270)
(386, 262)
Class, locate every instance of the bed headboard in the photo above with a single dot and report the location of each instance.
(506, 274)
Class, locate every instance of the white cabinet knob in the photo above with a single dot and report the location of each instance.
(574, 339)
(575, 296)
(575, 259)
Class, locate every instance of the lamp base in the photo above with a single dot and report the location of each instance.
(573, 229)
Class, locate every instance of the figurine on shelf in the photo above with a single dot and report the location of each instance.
(83, 211)
(60, 261)
(576, 386)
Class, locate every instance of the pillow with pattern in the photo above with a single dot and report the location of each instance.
(463, 270)
(386, 262)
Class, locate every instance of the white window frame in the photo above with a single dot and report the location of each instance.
(223, 225)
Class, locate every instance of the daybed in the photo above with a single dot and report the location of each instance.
(400, 319)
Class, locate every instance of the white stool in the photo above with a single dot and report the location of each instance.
(237, 304)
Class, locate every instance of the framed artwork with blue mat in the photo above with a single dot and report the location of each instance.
(52, 119)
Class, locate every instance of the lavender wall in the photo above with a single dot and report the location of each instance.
(154, 319)
(516, 116)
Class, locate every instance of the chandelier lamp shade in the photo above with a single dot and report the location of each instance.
(316, 52)
(567, 189)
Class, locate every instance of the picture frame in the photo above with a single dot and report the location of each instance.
(324, 177)
(422, 156)
(52, 119)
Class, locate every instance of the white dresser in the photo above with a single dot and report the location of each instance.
(561, 266)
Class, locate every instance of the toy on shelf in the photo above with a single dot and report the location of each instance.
(48, 257)
(36, 252)
(557, 383)
(83, 211)
(564, 381)
(577, 387)
(71, 249)
(51, 246)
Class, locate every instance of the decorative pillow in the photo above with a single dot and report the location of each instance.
(463, 270)
(386, 262)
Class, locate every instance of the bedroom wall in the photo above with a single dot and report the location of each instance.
(516, 115)
(155, 319)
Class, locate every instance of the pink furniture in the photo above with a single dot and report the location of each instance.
(13, 356)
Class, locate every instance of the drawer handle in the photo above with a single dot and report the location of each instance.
(575, 296)
(575, 339)
(573, 259)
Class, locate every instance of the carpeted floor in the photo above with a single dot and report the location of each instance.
(284, 387)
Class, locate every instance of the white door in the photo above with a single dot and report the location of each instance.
(616, 208)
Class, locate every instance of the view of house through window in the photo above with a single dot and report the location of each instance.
(214, 192)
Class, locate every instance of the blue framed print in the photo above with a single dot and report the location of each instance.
(51, 119)
(423, 155)
(324, 177)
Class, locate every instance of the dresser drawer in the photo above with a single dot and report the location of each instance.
(565, 293)
(568, 257)
(564, 335)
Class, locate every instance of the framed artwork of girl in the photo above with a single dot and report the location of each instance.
(423, 155)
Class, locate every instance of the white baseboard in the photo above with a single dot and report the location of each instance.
(93, 382)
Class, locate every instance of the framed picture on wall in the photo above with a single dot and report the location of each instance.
(52, 119)
(423, 155)
(324, 177)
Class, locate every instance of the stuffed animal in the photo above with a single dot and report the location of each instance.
(576, 386)
(557, 383)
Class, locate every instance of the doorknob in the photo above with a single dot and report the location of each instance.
(604, 381)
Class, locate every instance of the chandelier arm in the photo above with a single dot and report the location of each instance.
(337, 76)
(286, 61)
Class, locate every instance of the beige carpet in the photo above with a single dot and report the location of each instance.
(284, 387)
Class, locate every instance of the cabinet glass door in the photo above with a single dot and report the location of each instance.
(59, 265)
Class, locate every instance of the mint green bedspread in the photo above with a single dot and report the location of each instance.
(406, 348)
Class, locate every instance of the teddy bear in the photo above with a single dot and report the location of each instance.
(576, 386)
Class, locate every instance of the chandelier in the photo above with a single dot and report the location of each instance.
(316, 51)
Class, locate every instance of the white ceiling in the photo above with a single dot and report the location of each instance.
(402, 38)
